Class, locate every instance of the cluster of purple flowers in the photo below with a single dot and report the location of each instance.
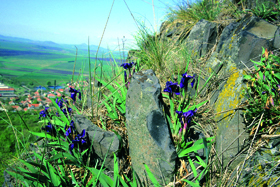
(61, 103)
(128, 66)
(74, 94)
(49, 128)
(174, 88)
(44, 113)
(76, 141)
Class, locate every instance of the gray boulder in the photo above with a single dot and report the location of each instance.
(149, 136)
(101, 140)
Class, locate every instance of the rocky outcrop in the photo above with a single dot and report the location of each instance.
(149, 136)
(100, 139)
(229, 49)
(239, 42)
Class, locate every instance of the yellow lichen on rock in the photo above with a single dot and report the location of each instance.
(227, 98)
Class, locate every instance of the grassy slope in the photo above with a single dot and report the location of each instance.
(160, 58)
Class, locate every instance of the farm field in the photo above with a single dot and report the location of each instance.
(28, 61)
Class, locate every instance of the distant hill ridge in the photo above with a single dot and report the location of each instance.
(23, 43)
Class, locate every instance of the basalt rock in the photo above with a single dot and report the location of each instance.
(176, 32)
(262, 169)
(239, 42)
(149, 136)
(228, 49)
(131, 56)
(101, 140)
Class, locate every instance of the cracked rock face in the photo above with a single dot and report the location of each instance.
(149, 136)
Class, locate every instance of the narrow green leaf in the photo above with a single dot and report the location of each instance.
(41, 168)
(123, 182)
(121, 108)
(29, 166)
(201, 162)
(151, 176)
(196, 106)
(62, 115)
(191, 183)
(41, 134)
(73, 178)
(116, 171)
(120, 140)
(170, 124)
(55, 179)
(192, 166)
(55, 120)
(111, 88)
(56, 157)
(61, 169)
(206, 149)
(84, 152)
(104, 179)
(123, 91)
(74, 107)
(191, 149)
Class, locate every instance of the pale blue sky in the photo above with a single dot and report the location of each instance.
(72, 21)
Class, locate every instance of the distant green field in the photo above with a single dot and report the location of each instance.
(41, 65)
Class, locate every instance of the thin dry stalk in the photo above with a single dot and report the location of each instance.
(238, 175)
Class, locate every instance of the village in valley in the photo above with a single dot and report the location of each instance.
(31, 101)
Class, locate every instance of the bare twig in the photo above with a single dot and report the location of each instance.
(270, 136)
(238, 175)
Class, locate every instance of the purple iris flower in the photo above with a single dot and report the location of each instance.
(68, 109)
(49, 128)
(172, 88)
(127, 65)
(180, 114)
(68, 132)
(79, 140)
(44, 112)
(70, 129)
(187, 118)
(185, 79)
(188, 115)
(74, 93)
(72, 123)
(59, 102)
(82, 135)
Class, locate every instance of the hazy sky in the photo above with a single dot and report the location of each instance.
(72, 21)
